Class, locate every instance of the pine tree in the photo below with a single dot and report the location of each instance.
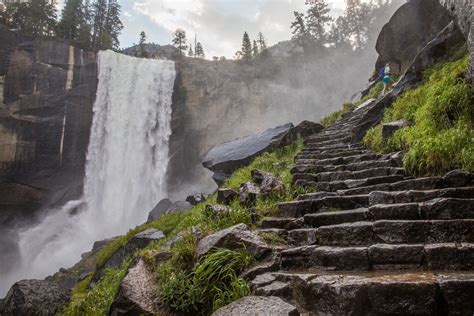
(39, 18)
(84, 37)
(255, 51)
(113, 25)
(190, 51)
(99, 12)
(141, 43)
(72, 20)
(199, 50)
(317, 18)
(246, 48)
(359, 19)
(300, 32)
(179, 41)
(262, 43)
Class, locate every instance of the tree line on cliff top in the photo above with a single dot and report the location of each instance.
(90, 25)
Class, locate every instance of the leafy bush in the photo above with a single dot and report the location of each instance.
(441, 136)
(212, 284)
(97, 301)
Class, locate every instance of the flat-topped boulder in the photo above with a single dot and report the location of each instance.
(225, 158)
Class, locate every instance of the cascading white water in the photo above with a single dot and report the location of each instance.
(125, 172)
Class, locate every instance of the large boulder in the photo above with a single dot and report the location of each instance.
(166, 206)
(225, 158)
(235, 238)
(258, 305)
(137, 294)
(34, 297)
(413, 25)
(388, 129)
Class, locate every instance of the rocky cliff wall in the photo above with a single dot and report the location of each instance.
(48, 89)
(463, 11)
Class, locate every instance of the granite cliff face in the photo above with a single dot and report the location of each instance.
(48, 89)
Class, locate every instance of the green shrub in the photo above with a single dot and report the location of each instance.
(96, 302)
(212, 284)
(441, 136)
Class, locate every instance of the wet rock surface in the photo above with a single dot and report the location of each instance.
(166, 206)
(34, 297)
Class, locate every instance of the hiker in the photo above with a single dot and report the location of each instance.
(387, 79)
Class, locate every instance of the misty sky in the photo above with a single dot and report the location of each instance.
(219, 24)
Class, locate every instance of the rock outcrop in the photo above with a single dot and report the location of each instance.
(34, 297)
(137, 294)
(224, 159)
(408, 31)
(236, 237)
(48, 89)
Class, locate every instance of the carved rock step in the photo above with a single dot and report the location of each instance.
(324, 136)
(357, 166)
(337, 186)
(281, 223)
(328, 154)
(335, 146)
(379, 293)
(397, 197)
(297, 209)
(387, 231)
(339, 149)
(332, 141)
(338, 161)
(348, 175)
(439, 256)
(437, 209)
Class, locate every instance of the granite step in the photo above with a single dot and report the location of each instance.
(366, 233)
(328, 154)
(298, 209)
(436, 256)
(348, 175)
(345, 185)
(373, 293)
(339, 160)
(436, 209)
(357, 166)
(334, 141)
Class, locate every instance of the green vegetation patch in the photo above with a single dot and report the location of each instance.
(213, 283)
(439, 137)
(96, 302)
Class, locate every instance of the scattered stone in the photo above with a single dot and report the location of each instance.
(268, 183)
(249, 193)
(197, 198)
(236, 237)
(258, 305)
(459, 178)
(226, 196)
(388, 129)
(165, 206)
(137, 294)
(217, 212)
(34, 297)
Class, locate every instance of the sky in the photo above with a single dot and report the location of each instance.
(218, 24)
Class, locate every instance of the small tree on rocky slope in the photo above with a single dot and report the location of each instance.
(179, 41)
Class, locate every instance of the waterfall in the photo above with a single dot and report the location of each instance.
(125, 171)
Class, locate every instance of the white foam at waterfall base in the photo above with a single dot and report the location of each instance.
(125, 170)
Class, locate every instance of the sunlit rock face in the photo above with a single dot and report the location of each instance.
(47, 91)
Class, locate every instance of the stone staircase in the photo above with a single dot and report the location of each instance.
(370, 240)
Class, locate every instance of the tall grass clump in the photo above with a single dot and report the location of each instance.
(440, 135)
(213, 283)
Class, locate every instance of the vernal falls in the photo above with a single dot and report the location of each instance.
(125, 171)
